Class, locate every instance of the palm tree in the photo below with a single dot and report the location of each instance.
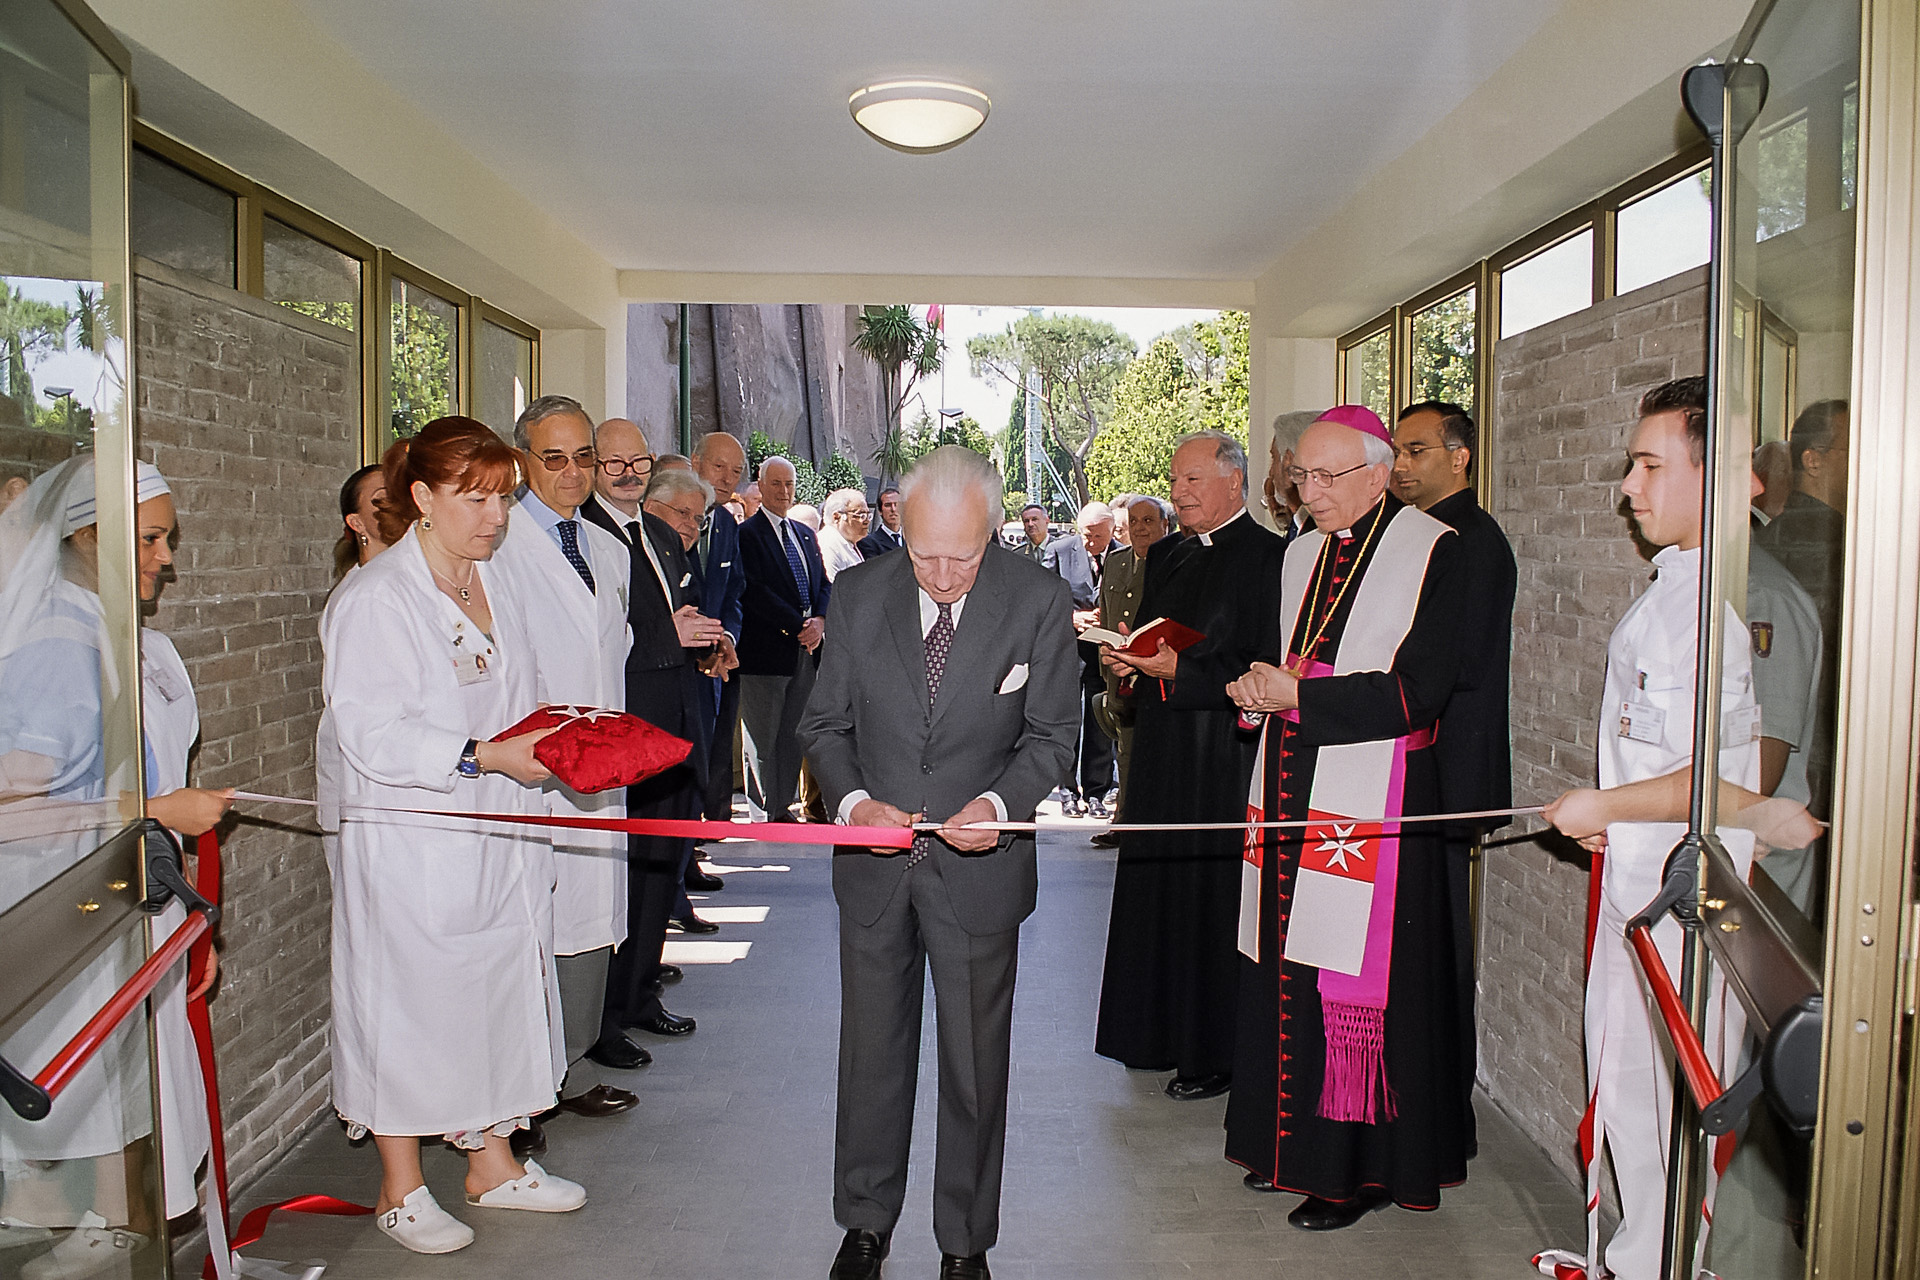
(906, 349)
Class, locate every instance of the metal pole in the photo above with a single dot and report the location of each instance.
(686, 384)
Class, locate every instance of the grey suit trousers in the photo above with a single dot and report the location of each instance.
(770, 708)
(582, 980)
(882, 985)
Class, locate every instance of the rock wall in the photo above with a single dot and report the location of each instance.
(1565, 399)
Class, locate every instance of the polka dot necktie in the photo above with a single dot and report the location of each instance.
(939, 644)
(570, 548)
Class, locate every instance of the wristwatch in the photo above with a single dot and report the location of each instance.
(469, 766)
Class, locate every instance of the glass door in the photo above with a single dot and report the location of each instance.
(80, 1184)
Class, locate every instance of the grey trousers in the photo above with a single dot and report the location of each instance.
(882, 983)
(583, 994)
(770, 708)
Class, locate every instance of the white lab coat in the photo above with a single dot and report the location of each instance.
(1650, 682)
(446, 1016)
(581, 643)
(171, 718)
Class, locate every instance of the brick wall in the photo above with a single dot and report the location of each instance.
(1565, 399)
(252, 413)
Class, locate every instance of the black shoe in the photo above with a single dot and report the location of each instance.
(1106, 840)
(1254, 1182)
(973, 1267)
(699, 881)
(1315, 1214)
(861, 1254)
(1194, 1088)
(666, 1024)
(1072, 807)
(692, 924)
(671, 973)
(530, 1141)
(619, 1053)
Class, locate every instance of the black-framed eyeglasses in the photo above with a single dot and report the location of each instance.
(556, 461)
(620, 466)
(1298, 476)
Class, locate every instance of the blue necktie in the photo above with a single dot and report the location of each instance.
(570, 548)
(798, 566)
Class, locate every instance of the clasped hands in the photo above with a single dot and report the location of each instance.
(955, 830)
(1266, 689)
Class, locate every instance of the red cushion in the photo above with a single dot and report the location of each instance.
(597, 750)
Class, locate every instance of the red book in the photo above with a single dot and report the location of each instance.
(1145, 641)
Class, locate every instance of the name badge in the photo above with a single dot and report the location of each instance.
(471, 668)
(1642, 722)
(1739, 726)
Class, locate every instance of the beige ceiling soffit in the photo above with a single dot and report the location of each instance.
(976, 291)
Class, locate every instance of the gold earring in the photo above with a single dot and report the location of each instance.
(363, 539)
(425, 523)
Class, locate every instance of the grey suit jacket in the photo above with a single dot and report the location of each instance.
(867, 726)
(1076, 567)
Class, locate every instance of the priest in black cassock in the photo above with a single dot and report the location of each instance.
(1168, 996)
(1346, 1085)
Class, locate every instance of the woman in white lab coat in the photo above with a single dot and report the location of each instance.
(446, 1017)
(359, 542)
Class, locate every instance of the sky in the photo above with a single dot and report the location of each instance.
(988, 400)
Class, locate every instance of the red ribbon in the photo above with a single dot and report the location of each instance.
(199, 960)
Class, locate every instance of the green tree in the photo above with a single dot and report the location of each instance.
(1192, 379)
(1443, 364)
(760, 447)
(29, 330)
(1079, 360)
(422, 368)
(842, 472)
(905, 347)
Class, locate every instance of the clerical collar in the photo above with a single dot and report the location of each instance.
(1373, 513)
(1206, 539)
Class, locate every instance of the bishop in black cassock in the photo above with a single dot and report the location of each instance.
(1167, 999)
(1415, 1138)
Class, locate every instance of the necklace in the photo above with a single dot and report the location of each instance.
(1326, 554)
(465, 597)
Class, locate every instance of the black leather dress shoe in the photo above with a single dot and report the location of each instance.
(530, 1141)
(1254, 1182)
(1315, 1214)
(860, 1256)
(666, 1024)
(1106, 840)
(691, 924)
(703, 882)
(1194, 1088)
(671, 973)
(971, 1267)
(619, 1053)
(601, 1100)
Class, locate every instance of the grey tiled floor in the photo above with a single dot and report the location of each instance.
(724, 1170)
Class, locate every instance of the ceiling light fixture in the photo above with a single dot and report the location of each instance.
(919, 116)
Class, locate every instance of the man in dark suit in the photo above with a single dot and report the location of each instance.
(722, 578)
(979, 643)
(666, 688)
(783, 620)
(885, 536)
(1434, 447)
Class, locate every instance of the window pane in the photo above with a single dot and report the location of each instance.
(1552, 283)
(1665, 233)
(307, 276)
(1780, 178)
(425, 378)
(1849, 147)
(505, 376)
(1443, 367)
(181, 221)
(1370, 374)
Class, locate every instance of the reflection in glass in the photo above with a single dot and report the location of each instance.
(1552, 283)
(178, 220)
(505, 376)
(1370, 374)
(305, 275)
(1779, 160)
(1663, 233)
(425, 380)
(1443, 355)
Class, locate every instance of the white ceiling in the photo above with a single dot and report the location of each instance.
(1190, 139)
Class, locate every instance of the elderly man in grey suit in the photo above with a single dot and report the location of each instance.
(948, 692)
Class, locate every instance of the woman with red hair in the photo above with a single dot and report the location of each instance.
(446, 1017)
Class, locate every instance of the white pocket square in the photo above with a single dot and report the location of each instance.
(1016, 678)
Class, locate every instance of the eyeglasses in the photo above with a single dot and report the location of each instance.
(557, 461)
(1415, 450)
(620, 466)
(1320, 476)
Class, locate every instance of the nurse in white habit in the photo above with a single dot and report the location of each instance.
(446, 1016)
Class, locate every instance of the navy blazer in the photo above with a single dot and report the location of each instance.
(879, 542)
(721, 583)
(771, 616)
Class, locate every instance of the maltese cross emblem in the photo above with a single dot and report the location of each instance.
(1341, 845)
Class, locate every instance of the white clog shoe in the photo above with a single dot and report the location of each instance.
(90, 1247)
(424, 1227)
(535, 1190)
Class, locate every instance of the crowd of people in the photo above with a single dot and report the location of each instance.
(1348, 662)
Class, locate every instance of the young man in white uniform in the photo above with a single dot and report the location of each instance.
(1638, 815)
